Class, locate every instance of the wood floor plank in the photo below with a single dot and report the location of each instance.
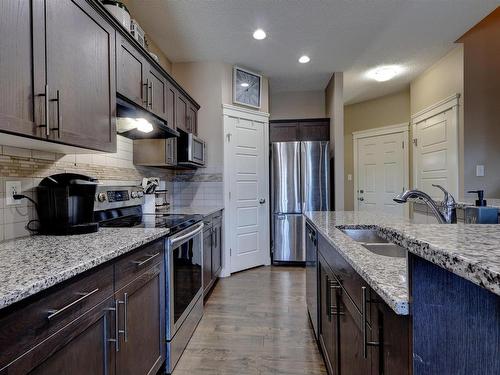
(255, 323)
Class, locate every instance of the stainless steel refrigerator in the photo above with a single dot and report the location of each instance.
(300, 182)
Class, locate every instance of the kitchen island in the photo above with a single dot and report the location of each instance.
(449, 284)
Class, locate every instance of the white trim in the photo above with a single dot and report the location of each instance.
(436, 108)
(235, 68)
(251, 115)
(398, 128)
(376, 132)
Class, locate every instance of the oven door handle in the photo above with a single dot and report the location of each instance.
(198, 229)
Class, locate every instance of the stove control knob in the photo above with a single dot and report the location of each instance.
(134, 194)
(140, 194)
(101, 197)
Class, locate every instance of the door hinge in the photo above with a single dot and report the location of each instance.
(229, 195)
(415, 141)
(403, 144)
(228, 136)
(230, 252)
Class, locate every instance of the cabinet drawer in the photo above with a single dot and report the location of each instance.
(23, 327)
(132, 265)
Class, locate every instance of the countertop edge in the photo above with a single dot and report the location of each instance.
(18, 295)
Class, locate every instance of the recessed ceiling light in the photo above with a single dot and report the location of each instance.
(384, 73)
(244, 84)
(259, 34)
(304, 59)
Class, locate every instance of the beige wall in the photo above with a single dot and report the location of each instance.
(442, 80)
(297, 105)
(388, 110)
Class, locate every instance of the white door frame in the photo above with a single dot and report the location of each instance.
(385, 130)
(252, 115)
(449, 103)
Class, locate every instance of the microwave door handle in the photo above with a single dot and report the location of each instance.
(198, 229)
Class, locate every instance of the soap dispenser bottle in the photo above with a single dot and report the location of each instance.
(480, 213)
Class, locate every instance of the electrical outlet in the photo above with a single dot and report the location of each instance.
(11, 188)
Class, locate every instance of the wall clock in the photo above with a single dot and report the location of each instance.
(246, 87)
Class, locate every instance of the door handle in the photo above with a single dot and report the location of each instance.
(59, 117)
(262, 201)
(46, 104)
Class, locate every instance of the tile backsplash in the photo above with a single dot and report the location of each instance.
(202, 187)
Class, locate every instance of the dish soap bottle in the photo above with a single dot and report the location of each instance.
(480, 213)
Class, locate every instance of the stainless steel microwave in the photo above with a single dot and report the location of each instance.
(191, 150)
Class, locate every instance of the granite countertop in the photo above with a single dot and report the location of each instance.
(469, 251)
(32, 264)
(386, 275)
(193, 210)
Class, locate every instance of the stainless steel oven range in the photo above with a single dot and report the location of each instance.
(120, 206)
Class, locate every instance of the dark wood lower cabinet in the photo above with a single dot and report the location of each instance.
(141, 312)
(329, 317)
(359, 333)
(80, 348)
(207, 258)
(212, 250)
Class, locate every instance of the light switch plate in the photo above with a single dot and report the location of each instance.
(479, 170)
(11, 188)
(349, 177)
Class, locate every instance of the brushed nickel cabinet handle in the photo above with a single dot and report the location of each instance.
(364, 323)
(55, 313)
(59, 119)
(125, 317)
(116, 340)
(334, 310)
(146, 99)
(47, 103)
(140, 263)
(151, 98)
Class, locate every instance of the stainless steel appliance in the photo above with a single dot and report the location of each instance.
(65, 204)
(190, 150)
(300, 182)
(312, 277)
(120, 206)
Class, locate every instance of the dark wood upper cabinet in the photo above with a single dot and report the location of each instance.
(192, 119)
(181, 112)
(141, 316)
(131, 72)
(79, 66)
(299, 130)
(16, 75)
(157, 87)
(171, 97)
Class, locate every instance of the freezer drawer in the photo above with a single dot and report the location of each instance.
(288, 238)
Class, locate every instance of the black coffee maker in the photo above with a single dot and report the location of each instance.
(66, 204)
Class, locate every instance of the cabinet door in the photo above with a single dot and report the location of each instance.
(82, 347)
(318, 130)
(157, 93)
(352, 359)
(217, 249)
(328, 327)
(171, 98)
(80, 71)
(16, 76)
(141, 324)
(283, 131)
(207, 258)
(181, 112)
(130, 74)
(192, 120)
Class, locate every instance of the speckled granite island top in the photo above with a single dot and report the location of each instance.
(469, 251)
(386, 275)
(32, 264)
(193, 210)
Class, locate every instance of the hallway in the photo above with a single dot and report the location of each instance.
(255, 323)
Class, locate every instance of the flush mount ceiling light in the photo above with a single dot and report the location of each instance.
(244, 84)
(384, 73)
(304, 59)
(259, 34)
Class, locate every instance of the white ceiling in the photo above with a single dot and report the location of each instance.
(339, 35)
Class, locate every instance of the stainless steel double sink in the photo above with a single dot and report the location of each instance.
(372, 241)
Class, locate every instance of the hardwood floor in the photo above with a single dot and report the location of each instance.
(255, 323)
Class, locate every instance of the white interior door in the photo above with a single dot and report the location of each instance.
(381, 172)
(246, 183)
(436, 154)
